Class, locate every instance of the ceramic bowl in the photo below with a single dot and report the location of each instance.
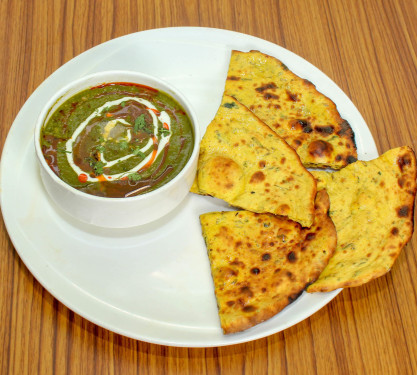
(117, 212)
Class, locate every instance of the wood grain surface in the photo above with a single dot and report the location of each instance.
(369, 48)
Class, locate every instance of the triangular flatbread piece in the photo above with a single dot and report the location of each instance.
(245, 163)
(260, 262)
(371, 205)
(305, 118)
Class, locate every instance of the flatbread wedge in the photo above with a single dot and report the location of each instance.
(371, 205)
(260, 263)
(245, 163)
(305, 118)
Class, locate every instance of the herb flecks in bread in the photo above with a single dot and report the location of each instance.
(293, 108)
(260, 263)
(371, 205)
(245, 163)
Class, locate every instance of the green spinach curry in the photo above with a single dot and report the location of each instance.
(117, 140)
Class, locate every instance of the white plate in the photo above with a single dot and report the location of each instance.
(150, 283)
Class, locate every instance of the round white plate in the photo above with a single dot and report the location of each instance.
(151, 283)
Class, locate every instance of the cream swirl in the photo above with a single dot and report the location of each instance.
(157, 140)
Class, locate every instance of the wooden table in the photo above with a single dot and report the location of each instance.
(369, 48)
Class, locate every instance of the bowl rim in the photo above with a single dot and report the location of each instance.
(105, 76)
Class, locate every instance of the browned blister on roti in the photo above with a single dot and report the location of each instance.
(261, 262)
(245, 163)
(292, 107)
(371, 205)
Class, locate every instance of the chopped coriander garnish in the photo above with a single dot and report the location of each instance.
(138, 152)
(123, 104)
(134, 176)
(97, 165)
(100, 148)
(164, 131)
(123, 145)
(63, 150)
(229, 105)
(140, 124)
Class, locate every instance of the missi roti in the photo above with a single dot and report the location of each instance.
(260, 262)
(306, 119)
(371, 205)
(245, 163)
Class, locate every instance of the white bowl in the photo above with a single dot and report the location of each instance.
(117, 212)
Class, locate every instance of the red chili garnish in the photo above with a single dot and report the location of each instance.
(109, 114)
(155, 111)
(123, 84)
(82, 177)
(166, 126)
(154, 151)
